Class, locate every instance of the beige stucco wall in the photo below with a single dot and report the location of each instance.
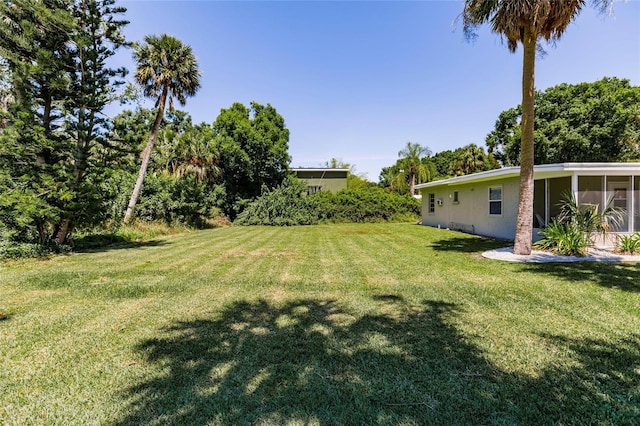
(473, 208)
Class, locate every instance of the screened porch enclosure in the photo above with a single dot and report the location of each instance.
(622, 192)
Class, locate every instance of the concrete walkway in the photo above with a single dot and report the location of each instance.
(593, 255)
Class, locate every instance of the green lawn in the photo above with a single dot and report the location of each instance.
(337, 324)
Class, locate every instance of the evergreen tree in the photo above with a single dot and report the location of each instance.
(60, 82)
(96, 38)
(585, 122)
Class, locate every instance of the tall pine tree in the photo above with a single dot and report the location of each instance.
(57, 51)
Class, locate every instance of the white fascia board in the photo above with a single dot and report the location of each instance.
(319, 169)
(541, 171)
(476, 177)
(603, 168)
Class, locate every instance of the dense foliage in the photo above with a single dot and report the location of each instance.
(53, 139)
(197, 172)
(283, 206)
(289, 205)
(65, 166)
(370, 205)
(253, 148)
(420, 166)
(583, 122)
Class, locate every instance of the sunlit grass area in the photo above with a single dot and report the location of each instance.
(335, 324)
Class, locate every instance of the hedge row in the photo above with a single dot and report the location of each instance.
(288, 205)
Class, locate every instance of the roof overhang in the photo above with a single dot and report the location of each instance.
(543, 171)
(317, 169)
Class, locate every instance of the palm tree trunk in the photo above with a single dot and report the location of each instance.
(146, 155)
(524, 223)
(412, 184)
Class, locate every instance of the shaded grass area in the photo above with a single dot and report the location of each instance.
(340, 324)
(310, 360)
(620, 276)
(136, 234)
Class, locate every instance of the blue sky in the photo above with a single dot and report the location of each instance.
(358, 80)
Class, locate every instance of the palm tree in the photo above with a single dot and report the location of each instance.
(166, 68)
(412, 166)
(525, 22)
(196, 155)
(471, 159)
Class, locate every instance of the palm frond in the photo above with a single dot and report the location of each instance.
(164, 61)
(547, 19)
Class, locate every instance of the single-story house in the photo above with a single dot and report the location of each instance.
(322, 179)
(486, 203)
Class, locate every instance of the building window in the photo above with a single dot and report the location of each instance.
(432, 203)
(456, 200)
(495, 201)
(312, 189)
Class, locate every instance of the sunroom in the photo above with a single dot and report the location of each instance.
(598, 184)
(486, 203)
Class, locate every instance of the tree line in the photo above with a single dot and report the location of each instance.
(65, 165)
(585, 122)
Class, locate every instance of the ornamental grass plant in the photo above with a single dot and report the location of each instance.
(577, 225)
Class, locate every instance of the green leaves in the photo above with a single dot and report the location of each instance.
(567, 239)
(165, 62)
(54, 129)
(571, 232)
(587, 122)
(287, 206)
(629, 243)
(253, 144)
(282, 206)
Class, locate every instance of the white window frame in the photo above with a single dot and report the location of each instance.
(432, 203)
(456, 197)
(495, 201)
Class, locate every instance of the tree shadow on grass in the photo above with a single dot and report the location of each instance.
(620, 276)
(467, 244)
(313, 361)
(602, 387)
(102, 243)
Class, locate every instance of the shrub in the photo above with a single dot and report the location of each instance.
(588, 217)
(571, 233)
(174, 200)
(629, 243)
(17, 250)
(366, 205)
(287, 205)
(283, 206)
(567, 239)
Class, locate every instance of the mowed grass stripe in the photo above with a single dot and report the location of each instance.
(239, 264)
(330, 324)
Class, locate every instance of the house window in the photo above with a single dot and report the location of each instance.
(495, 201)
(455, 197)
(432, 203)
(312, 189)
